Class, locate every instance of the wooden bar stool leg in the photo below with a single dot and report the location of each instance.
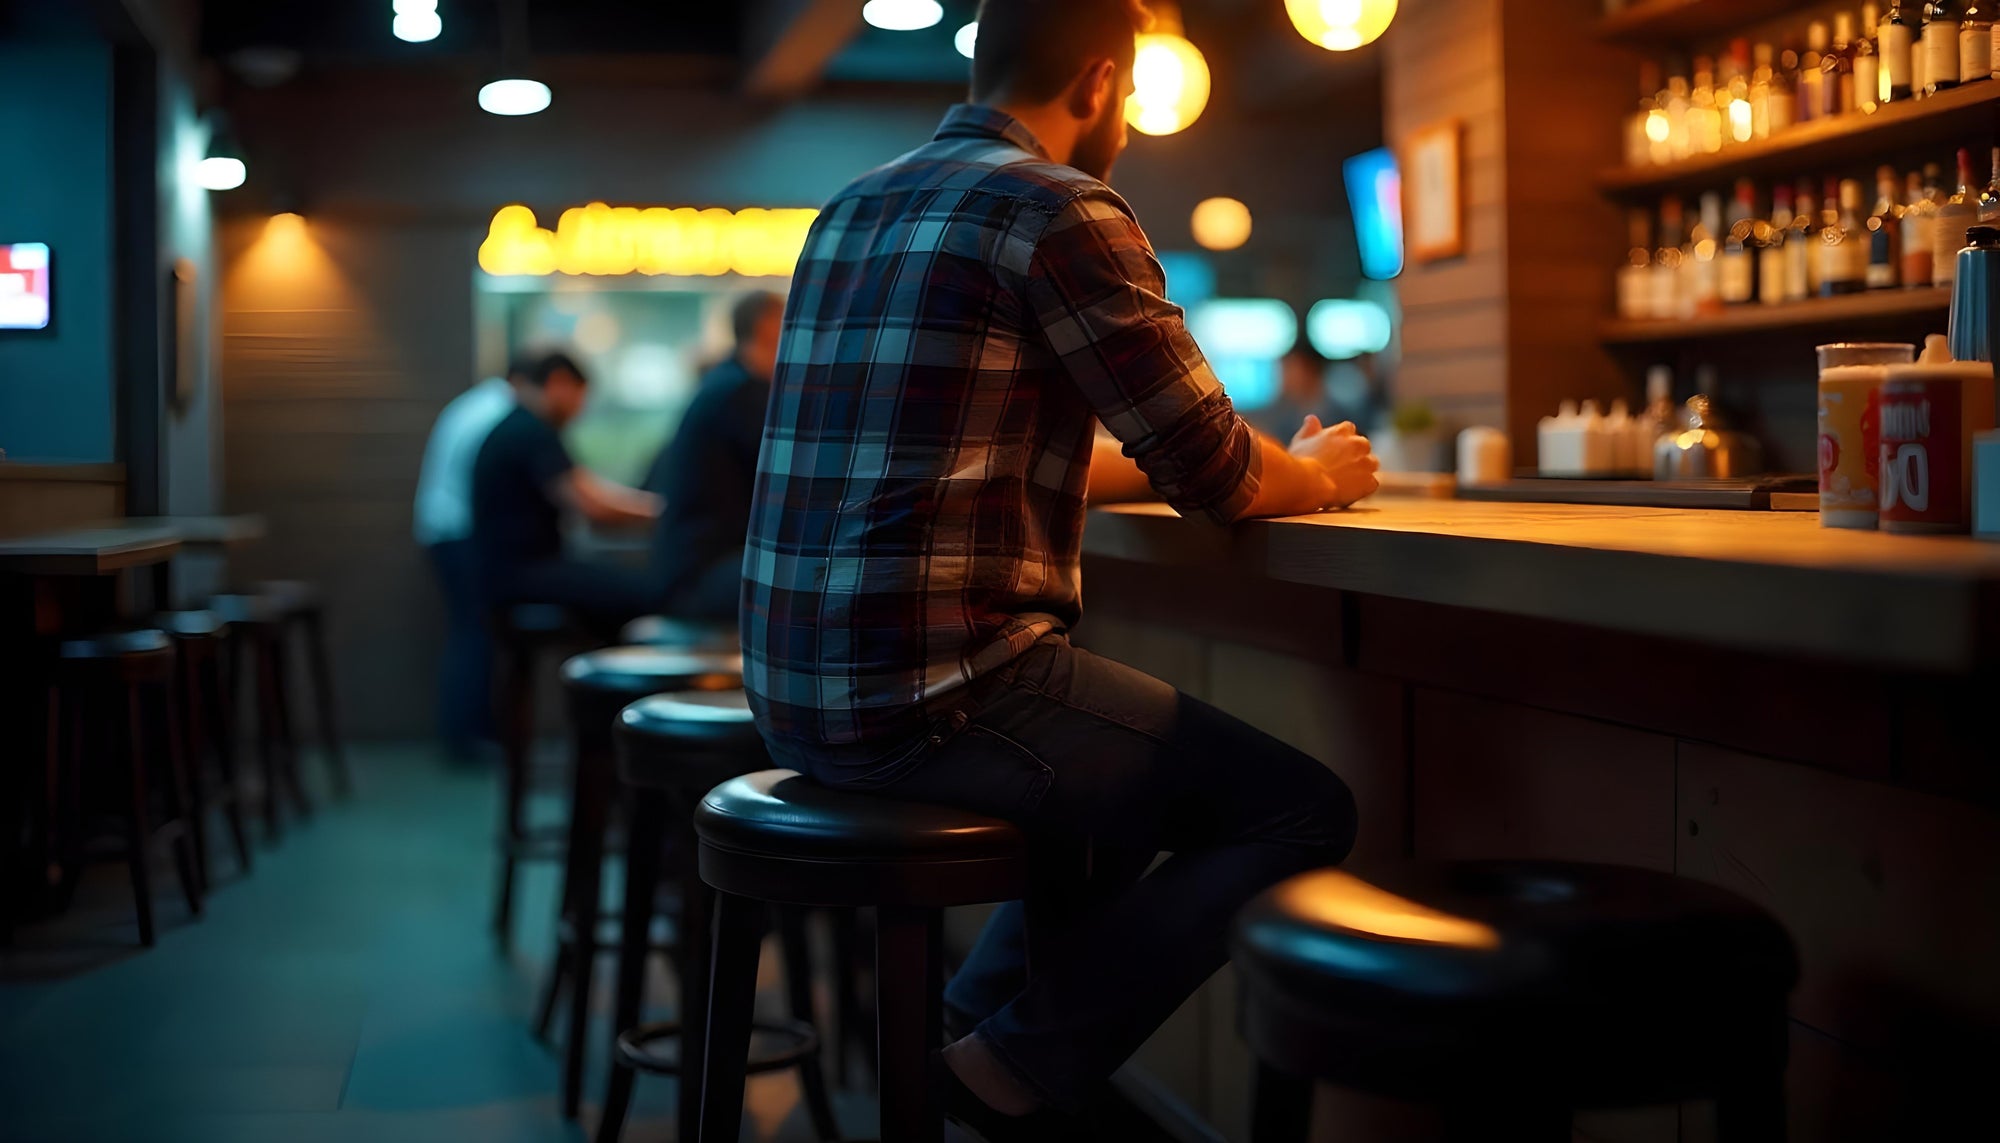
(697, 952)
(645, 834)
(1280, 1106)
(320, 666)
(186, 862)
(799, 994)
(909, 1020)
(732, 999)
(138, 823)
(219, 703)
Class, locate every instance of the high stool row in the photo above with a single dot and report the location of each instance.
(151, 714)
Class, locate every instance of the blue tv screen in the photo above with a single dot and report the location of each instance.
(24, 285)
(1375, 193)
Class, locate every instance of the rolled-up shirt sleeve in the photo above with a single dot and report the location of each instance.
(1099, 296)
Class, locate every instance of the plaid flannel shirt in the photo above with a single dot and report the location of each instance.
(959, 321)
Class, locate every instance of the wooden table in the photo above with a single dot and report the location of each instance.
(92, 551)
(208, 531)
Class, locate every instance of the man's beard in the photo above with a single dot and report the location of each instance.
(1098, 149)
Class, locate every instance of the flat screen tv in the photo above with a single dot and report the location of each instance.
(1375, 192)
(24, 285)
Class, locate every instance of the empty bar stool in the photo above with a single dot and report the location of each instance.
(597, 685)
(208, 729)
(688, 635)
(776, 836)
(672, 749)
(524, 635)
(113, 698)
(257, 630)
(305, 613)
(1507, 994)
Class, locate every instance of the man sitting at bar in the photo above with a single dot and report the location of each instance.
(524, 481)
(960, 321)
(706, 473)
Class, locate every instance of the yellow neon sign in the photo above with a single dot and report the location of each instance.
(609, 240)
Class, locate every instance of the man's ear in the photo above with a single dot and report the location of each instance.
(1092, 90)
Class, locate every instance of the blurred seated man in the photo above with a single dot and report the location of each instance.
(1301, 394)
(706, 474)
(524, 481)
(443, 517)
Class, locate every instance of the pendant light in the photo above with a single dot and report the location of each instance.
(1170, 78)
(902, 15)
(513, 93)
(1341, 25)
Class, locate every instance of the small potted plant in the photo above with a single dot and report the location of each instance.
(1413, 441)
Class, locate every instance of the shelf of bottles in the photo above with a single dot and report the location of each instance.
(1725, 237)
(1650, 22)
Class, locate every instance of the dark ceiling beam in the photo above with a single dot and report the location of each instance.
(788, 43)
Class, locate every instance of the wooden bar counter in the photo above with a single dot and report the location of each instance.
(1806, 716)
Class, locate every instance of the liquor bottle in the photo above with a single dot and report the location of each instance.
(1844, 246)
(1940, 48)
(1676, 104)
(1736, 274)
(1812, 77)
(1975, 43)
(1733, 94)
(1894, 38)
(1801, 248)
(1989, 199)
(1704, 114)
(1884, 231)
(1773, 270)
(1760, 93)
(1635, 277)
(1639, 127)
(1920, 228)
(1667, 258)
(1705, 246)
(1784, 100)
(1836, 66)
(1957, 213)
(1867, 62)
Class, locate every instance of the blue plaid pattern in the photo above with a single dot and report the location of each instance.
(959, 322)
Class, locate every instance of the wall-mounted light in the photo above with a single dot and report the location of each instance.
(902, 15)
(416, 21)
(1170, 78)
(1341, 25)
(1340, 328)
(514, 97)
(1220, 223)
(221, 167)
(966, 38)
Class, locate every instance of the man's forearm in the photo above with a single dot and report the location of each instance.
(1288, 486)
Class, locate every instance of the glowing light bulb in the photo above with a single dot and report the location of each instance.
(514, 97)
(1657, 126)
(220, 173)
(1221, 223)
(1170, 84)
(902, 15)
(1341, 25)
(416, 27)
(966, 38)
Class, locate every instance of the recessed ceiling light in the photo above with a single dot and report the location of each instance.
(514, 96)
(902, 15)
(966, 38)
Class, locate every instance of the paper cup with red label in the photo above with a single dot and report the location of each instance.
(1930, 412)
(1851, 375)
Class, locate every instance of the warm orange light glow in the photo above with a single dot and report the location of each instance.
(288, 226)
(1341, 25)
(609, 240)
(1341, 900)
(1220, 223)
(1170, 84)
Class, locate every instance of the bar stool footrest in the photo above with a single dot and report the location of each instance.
(796, 1041)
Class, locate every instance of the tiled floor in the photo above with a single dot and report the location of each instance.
(347, 990)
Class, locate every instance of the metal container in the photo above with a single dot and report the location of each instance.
(1975, 297)
(1707, 449)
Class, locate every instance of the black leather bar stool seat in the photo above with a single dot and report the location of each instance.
(776, 836)
(113, 698)
(1508, 994)
(597, 685)
(672, 749)
(259, 625)
(304, 608)
(687, 634)
(208, 728)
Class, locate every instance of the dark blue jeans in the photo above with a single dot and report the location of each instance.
(465, 669)
(1071, 745)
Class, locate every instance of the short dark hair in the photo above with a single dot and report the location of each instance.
(750, 309)
(546, 365)
(1030, 50)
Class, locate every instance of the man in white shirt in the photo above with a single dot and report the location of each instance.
(444, 528)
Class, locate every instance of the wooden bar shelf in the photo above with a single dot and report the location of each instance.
(1963, 116)
(1813, 314)
(1649, 23)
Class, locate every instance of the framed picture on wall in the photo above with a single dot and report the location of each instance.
(1432, 170)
